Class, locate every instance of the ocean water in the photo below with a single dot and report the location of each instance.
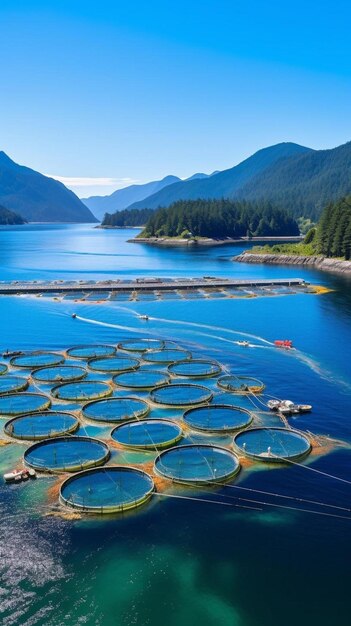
(179, 561)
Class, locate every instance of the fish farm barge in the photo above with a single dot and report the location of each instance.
(144, 285)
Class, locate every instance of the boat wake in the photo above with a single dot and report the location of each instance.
(209, 327)
(265, 343)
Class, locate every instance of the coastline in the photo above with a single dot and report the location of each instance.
(318, 262)
(208, 241)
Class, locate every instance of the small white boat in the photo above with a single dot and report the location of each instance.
(16, 476)
(273, 405)
(143, 317)
(243, 343)
(287, 407)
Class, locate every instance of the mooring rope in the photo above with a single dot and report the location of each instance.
(173, 495)
(312, 469)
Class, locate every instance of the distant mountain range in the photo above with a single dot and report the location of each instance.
(38, 198)
(292, 177)
(123, 198)
(288, 175)
(224, 184)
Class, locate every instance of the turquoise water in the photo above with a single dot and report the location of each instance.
(183, 561)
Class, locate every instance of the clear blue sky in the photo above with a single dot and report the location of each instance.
(140, 89)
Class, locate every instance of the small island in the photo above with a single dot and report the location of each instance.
(215, 222)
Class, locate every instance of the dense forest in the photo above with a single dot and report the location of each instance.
(9, 217)
(127, 217)
(333, 237)
(330, 238)
(218, 219)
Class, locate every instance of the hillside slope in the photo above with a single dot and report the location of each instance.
(9, 217)
(38, 198)
(304, 184)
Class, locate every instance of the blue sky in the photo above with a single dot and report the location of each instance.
(107, 93)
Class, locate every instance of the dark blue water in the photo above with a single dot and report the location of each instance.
(184, 561)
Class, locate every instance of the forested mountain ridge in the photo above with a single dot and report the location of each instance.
(38, 198)
(223, 184)
(219, 219)
(304, 184)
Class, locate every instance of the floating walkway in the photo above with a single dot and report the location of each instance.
(81, 288)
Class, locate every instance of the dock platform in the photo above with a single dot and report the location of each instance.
(143, 285)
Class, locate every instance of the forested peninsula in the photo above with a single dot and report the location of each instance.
(219, 219)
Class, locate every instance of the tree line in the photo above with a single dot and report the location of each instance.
(220, 219)
(127, 217)
(333, 236)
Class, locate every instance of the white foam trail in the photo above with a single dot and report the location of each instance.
(109, 325)
(209, 327)
(303, 358)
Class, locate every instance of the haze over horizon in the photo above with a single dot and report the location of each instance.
(104, 96)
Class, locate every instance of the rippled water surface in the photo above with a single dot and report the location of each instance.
(183, 561)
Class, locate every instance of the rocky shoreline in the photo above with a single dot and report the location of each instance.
(318, 262)
(207, 241)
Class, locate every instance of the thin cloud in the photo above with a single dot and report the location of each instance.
(89, 181)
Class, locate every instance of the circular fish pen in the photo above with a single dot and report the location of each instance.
(44, 425)
(12, 384)
(240, 384)
(107, 490)
(171, 355)
(217, 418)
(63, 373)
(116, 410)
(114, 364)
(196, 368)
(197, 464)
(66, 454)
(141, 345)
(35, 360)
(82, 391)
(3, 368)
(142, 379)
(181, 395)
(90, 351)
(273, 445)
(152, 434)
(17, 404)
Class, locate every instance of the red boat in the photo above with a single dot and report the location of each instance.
(283, 343)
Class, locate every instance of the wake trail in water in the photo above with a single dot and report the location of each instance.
(209, 327)
(109, 325)
(303, 358)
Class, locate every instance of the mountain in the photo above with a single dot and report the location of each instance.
(9, 217)
(224, 184)
(38, 198)
(304, 184)
(122, 198)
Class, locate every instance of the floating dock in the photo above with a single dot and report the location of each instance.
(143, 284)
